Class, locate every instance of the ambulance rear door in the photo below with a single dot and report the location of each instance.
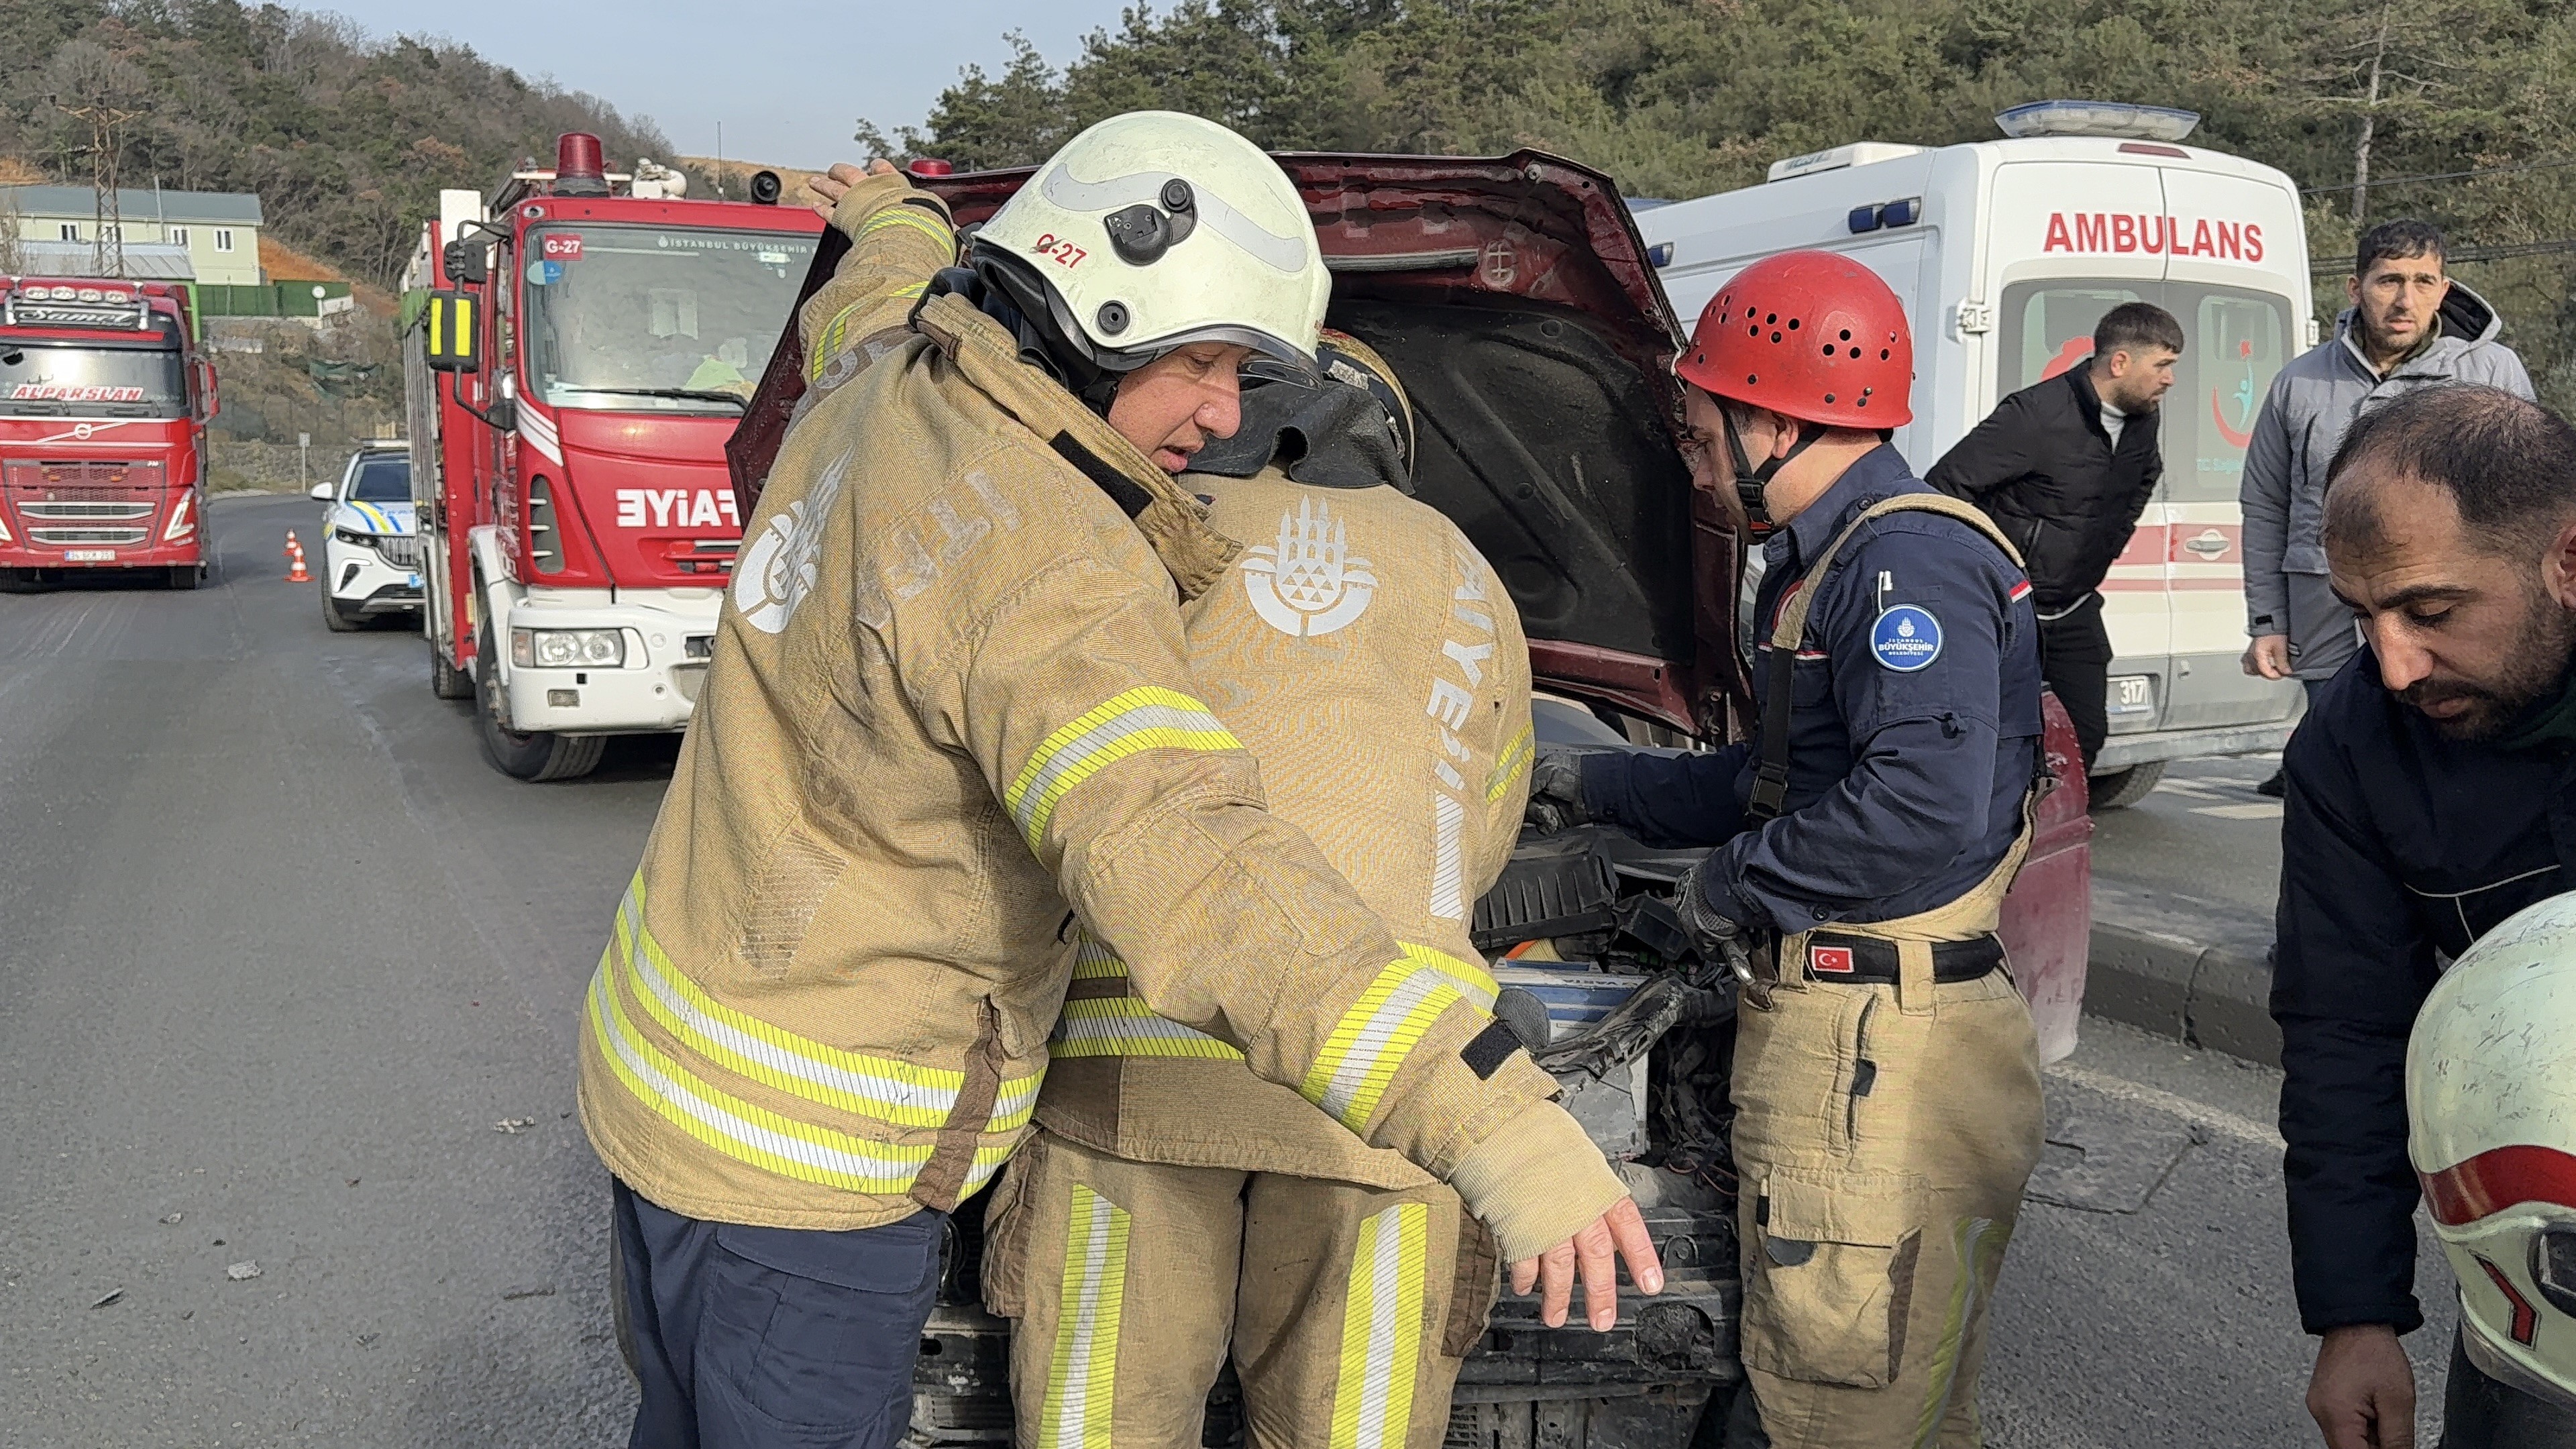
(2067, 241)
(2236, 277)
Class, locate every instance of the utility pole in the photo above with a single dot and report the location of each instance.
(2369, 125)
(106, 146)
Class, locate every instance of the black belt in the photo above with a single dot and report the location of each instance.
(1833, 956)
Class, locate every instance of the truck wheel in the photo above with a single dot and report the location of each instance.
(183, 576)
(532, 755)
(2121, 789)
(446, 680)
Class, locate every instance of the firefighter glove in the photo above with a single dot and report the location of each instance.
(1716, 936)
(1556, 791)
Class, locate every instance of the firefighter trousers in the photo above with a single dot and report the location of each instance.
(1883, 1135)
(1347, 1308)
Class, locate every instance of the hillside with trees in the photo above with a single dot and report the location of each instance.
(346, 139)
(1679, 98)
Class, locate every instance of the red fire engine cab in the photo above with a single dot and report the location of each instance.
(580, 346)
(104, 402)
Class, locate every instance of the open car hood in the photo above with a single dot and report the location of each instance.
(1513, 296)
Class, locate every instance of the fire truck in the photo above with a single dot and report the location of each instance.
(580, 346)
(104, 402)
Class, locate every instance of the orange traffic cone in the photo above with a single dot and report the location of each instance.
(295, 555)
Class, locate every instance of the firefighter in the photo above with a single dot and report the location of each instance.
(1349, 1282)
(1886, 1078)
(2491, 1133)
(948, 727)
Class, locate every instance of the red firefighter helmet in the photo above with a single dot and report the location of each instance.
(1811, 335)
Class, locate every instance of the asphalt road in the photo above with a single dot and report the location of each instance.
(2201, 846)
(288, 976)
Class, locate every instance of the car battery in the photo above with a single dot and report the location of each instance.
(1612, 1105)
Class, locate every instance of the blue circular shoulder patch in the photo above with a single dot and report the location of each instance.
(1905, 638)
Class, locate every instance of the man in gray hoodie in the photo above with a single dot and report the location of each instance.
(2408, 326)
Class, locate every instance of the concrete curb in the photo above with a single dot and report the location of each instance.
(2152, 966)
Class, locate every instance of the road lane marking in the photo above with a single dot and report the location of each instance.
(2216, 1119)
(2251, 810)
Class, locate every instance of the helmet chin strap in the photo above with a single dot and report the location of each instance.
(1749, 480)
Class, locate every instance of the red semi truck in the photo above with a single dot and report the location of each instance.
(104, 402)
(581, 345)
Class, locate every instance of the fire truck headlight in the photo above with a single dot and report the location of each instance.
(567, 648)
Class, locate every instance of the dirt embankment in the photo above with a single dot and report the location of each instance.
(706, 174)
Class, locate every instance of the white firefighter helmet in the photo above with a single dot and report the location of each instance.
(2491, 1112)
(1156, 229)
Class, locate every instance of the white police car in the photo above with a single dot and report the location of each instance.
(370, 546)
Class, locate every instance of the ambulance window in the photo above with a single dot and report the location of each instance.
(2236, 342)
(2048, 327)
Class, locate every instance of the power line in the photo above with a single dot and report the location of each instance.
(2329, 266)
(2439, 176)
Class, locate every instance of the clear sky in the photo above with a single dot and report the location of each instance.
(786, 77)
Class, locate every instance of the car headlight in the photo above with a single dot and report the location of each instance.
(353, 537)
(568, 648)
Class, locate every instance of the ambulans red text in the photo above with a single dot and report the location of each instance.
(2119, 231)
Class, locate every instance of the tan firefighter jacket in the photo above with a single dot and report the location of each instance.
(948, 700)
(1373, 664)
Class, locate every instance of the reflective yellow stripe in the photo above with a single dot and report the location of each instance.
(1974, 1242)
(1473, 982)
(1369, 1044)
(1094, 961)
(1382, 1330)
(1147, 718)
(1082, 1373)
(911, 216)
(736, 1128)
(1515, 758)
(1124, 1026)
(835, 336)
(881, 1087)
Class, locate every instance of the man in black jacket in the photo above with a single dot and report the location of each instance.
(2432, 793)
(2066, 466)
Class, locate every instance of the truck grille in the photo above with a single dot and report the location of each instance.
(84, 491)
(61, 507)
(68, 478)
(402, 550)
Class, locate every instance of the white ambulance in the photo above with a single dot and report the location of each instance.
(2005, 254)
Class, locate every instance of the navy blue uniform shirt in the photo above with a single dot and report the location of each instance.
(2398, 848)
(1914, 724)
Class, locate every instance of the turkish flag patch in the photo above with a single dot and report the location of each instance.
(1830, 960)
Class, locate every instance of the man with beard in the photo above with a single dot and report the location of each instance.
(2425, 801)
(2410, 326)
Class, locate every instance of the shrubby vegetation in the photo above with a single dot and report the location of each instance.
(347, 140)
(1680, 98)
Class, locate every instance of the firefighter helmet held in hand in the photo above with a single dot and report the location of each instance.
(1153, 230)
(2491, 1111)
